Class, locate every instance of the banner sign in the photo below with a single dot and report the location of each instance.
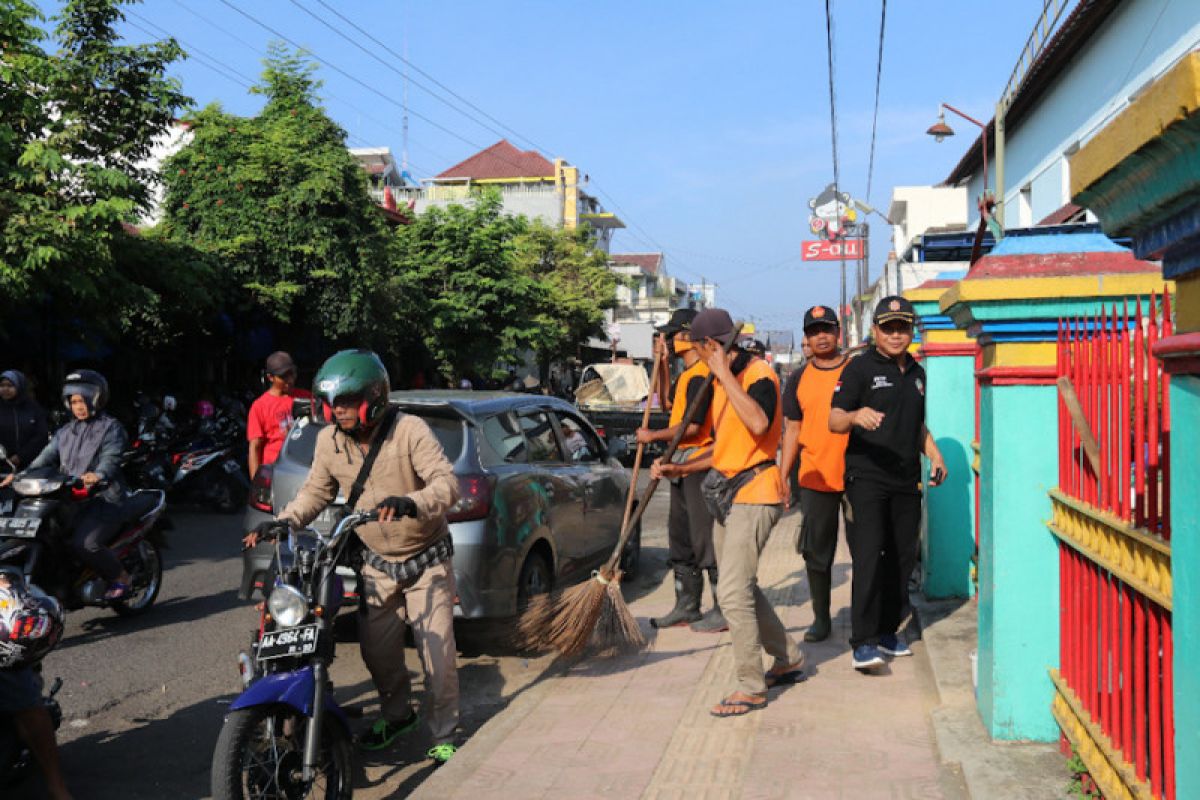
(833, 215)
(823, 250)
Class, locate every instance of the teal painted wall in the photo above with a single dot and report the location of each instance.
(948, 540)
(1185, 575)
(1018, 562)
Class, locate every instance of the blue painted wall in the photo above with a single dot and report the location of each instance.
(1104, 74)
(1185, 574)
(1018, 562)
(948, 541)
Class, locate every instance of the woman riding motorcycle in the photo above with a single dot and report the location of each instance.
(89, 447)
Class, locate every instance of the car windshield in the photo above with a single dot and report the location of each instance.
(302, 440)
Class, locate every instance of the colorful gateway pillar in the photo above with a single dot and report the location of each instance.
(1010, 302)
(1141, 176)
(948, 354)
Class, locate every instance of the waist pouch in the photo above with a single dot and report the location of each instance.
(407, 571)
(719, 491)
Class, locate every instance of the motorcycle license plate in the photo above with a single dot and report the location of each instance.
(298, 641)
(20, 527)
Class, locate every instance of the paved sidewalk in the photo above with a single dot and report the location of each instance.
(638, 725)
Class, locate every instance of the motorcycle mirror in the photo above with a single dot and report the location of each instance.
(3, 453)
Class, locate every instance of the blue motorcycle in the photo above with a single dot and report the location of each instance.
(285, 736)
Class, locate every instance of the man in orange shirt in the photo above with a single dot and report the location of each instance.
(806, 403)
(689, 524)
(747, 425)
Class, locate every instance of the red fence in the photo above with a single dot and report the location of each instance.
(1123, 392)
(1116, 638)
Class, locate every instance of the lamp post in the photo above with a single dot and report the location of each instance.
(940, 130)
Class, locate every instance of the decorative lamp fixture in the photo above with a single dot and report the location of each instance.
(940, 130)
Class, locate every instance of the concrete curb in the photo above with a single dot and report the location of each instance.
(1012, 770)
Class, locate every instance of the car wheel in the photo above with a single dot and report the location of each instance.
(535, 578)
(631, 556)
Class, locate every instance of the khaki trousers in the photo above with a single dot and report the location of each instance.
(428, 606)
(753, 624)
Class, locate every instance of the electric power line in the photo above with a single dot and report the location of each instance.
(878, 81)
(833, 131)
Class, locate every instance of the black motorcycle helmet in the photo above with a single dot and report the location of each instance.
(88, 383)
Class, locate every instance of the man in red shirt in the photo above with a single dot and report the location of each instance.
(271, 414)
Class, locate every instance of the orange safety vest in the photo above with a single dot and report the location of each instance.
(736, 448)
(697, 372)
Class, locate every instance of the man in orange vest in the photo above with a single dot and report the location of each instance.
(745, 491)
(806, 402)
(689, 524)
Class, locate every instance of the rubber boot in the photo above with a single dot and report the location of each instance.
(713, 621)
(689, 583)
(819, 585)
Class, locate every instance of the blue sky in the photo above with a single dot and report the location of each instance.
(707, 123)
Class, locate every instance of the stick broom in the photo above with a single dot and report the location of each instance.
(595, 612)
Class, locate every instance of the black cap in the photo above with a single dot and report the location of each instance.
(712, 323)
(820, 315)
(681, 320)
(893, 308)
(279, 362)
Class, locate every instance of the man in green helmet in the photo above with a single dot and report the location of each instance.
(407, 577)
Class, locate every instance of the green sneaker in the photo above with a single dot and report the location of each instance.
(383, 733)
(441, 753)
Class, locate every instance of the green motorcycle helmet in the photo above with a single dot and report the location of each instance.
(357, 373)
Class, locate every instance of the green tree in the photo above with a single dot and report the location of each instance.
(579, 287)
(456, 267)
(74, 127)
(285, 208)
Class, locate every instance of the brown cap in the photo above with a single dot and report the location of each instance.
(279, 362)
(712, 323)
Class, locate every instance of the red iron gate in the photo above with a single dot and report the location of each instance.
(1112, 518)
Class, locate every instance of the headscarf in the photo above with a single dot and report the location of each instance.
(17, 379)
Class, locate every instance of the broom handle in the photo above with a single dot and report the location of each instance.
(637, 459)
(688, 414)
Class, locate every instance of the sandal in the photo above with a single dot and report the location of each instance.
(117, 591)
(740, 707)
(786, 678)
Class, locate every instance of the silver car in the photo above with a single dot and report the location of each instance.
(542, 497)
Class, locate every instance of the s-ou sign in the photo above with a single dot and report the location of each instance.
(821, 250)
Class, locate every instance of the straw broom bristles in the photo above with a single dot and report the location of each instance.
(595, 612)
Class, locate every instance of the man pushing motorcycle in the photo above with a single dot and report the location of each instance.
(89, 447)
(380, 458)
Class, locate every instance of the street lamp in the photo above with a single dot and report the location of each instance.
(940, 130)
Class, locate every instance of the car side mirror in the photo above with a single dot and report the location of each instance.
(618, 448)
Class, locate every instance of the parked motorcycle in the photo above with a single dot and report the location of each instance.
(202, 468)
(36, 539)
(285, 736)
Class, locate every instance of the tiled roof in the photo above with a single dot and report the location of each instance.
(502, 160)
(650, 263)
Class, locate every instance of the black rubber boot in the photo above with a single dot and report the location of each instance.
(819, 585)
(713, 621)
(689, 583)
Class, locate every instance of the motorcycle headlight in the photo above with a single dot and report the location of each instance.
(287, 605)
(37, 486)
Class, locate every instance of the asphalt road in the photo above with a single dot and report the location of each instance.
(143, 699)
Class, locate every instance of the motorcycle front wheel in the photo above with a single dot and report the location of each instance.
(260, 756)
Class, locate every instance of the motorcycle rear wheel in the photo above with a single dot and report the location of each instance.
(259, 756)
(146, 569)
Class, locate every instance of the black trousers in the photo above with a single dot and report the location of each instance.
(819, 513)
(95, 526)
(883, 546)
(689, 525)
